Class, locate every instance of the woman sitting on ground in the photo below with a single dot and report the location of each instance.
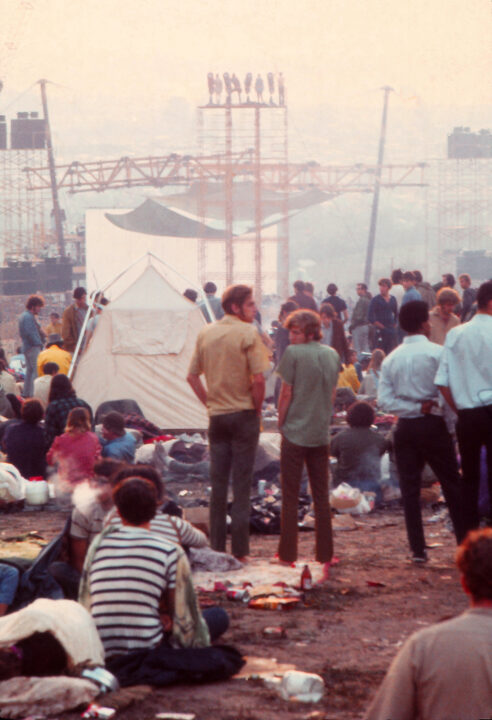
(348, 374)
(25, 442)
(76, 451)
(130, 566)
(7, 380)
(359, 450)
(62, 399)
(369, 385)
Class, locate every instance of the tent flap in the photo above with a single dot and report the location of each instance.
(149, 332)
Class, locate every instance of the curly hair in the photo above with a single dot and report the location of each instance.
(307, 321)
(474, 561)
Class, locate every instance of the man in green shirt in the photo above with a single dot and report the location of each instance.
(309, 373)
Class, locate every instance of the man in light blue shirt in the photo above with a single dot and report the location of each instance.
(32, 341)
(214, 302)
(407, 389)
(464, 378)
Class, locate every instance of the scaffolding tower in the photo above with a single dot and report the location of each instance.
(23, 232)
(253, 134)
(463, 204)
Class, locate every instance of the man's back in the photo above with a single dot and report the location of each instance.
(443, 672)
(131, 569)
(465, 365)
(312, 370)
(229, 352)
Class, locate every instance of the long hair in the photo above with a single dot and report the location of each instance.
(78, 421)
(60, 387)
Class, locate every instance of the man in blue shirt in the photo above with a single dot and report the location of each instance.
(32, 340)
(406, 389)
(465, 380)
(117, 443)
(382, 314)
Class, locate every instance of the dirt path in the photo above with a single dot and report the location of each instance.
(347, 633)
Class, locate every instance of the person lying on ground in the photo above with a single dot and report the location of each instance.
(117, 443)
(9, 580)
(445, 670)
(25, 442)
(130, 566)
(76, 451)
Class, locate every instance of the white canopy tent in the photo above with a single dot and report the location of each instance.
(141, 349)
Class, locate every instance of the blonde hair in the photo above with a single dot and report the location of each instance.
(78, 421)
(377, 358)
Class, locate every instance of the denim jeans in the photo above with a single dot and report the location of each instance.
(31, 356)
(233, 439)
(9, 580)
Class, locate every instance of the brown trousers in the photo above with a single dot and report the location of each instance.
(292, 458)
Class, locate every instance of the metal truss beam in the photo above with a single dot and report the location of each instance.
(172, 170)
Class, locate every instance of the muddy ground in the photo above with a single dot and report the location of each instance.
(348, 632)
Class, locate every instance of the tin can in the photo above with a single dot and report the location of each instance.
(261, 487)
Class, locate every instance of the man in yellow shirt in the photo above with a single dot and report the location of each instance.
(54, 353)
(232, 357)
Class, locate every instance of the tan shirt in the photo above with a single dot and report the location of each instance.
(440, 327)
(443, 672)
(229, 352)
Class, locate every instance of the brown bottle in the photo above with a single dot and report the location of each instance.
(306, 579)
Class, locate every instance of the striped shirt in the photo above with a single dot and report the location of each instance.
(130, 571)
(170, 527)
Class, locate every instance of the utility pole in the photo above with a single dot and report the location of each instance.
(51, 162)
(377, 184)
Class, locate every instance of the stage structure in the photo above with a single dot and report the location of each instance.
(240, 188)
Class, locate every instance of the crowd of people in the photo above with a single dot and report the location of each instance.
(416, 352)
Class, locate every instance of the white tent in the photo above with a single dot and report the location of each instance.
(141, 349)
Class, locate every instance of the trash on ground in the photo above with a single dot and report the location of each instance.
(273, 603)
(347, 499)
(275, 631)
(298, 686)
(98, 711)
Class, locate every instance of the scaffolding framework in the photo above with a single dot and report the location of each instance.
(255, 135)
(463, 205)
(23, 216)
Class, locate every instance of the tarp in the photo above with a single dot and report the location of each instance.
(212, 197)
(141, 350)
(154, 218)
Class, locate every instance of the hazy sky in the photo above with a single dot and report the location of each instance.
(330, 51)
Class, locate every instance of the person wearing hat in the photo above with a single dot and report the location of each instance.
(54, 353)
(117, 442)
